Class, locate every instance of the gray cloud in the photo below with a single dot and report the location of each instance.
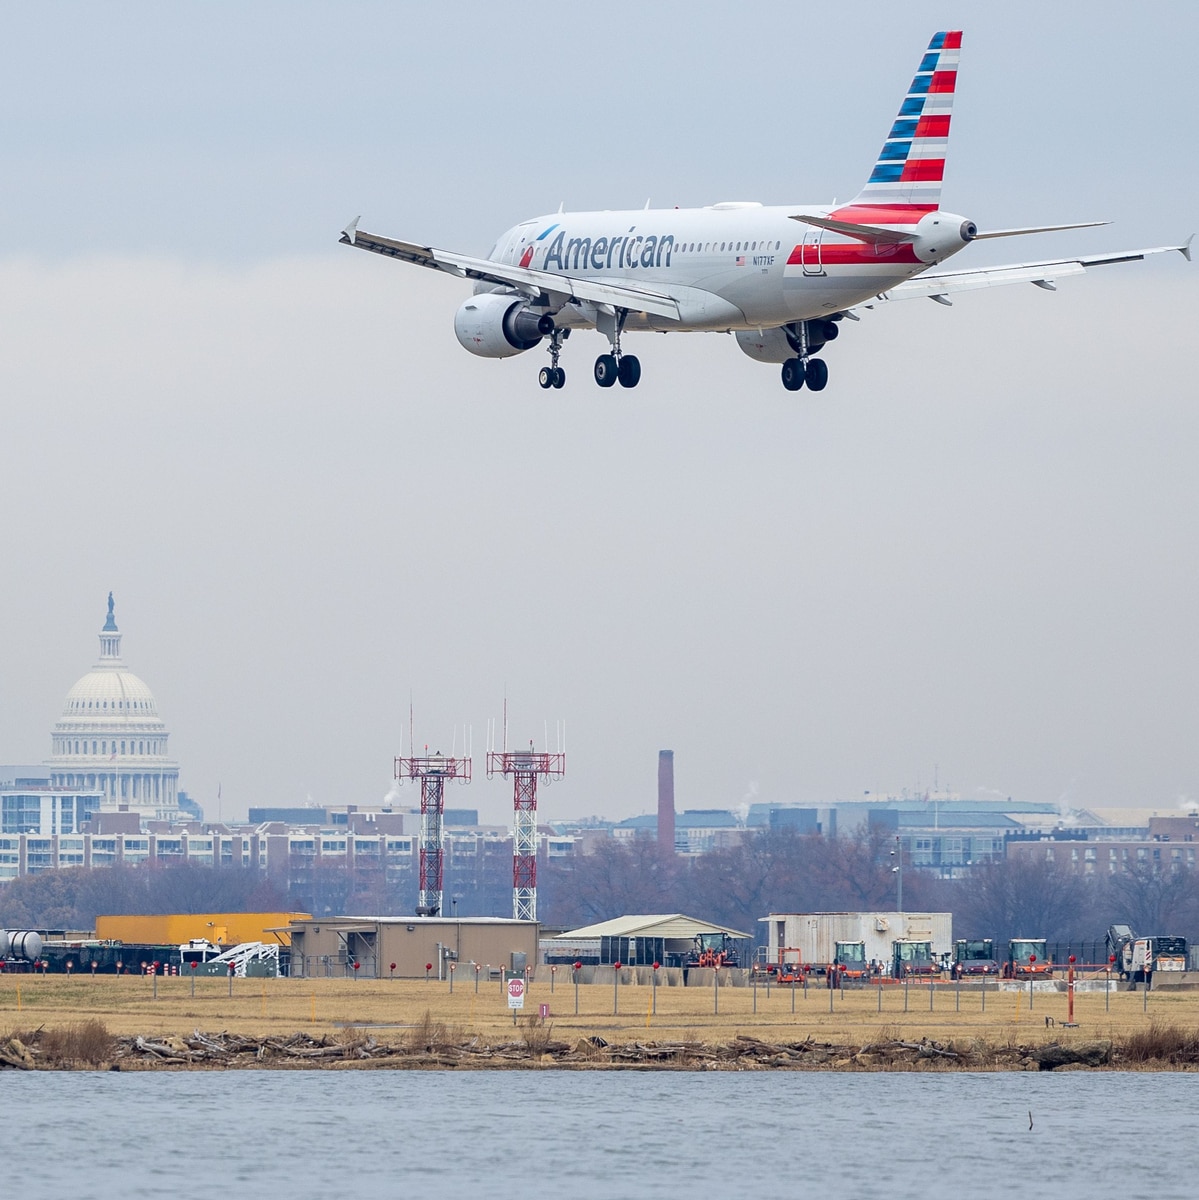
(977, 548)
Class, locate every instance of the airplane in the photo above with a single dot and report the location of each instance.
(780, 279)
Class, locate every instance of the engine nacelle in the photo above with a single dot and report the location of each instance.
(495, 325)
(24, 944)
(769, 346)
(778, 345)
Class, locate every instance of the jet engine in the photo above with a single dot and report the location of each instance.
(778, 345)
(498, 325)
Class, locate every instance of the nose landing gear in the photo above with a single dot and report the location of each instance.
(554, 376)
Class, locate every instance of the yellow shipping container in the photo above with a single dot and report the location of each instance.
(172, 929)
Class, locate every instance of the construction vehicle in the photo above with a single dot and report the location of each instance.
(1027, 959)
(850, 960)
(974, 956)
(792, 974)
(1143, 956)
(913, 958)
(714, 950)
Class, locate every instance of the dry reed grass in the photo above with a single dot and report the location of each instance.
(432, 1017)
(537, 1035)
(86, 1043)
(431, 1036)
(1161, 1043)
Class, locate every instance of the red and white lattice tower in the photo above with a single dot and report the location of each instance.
(433, 771)
(525, 767)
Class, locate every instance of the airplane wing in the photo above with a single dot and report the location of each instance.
(534, 284)
(1044, 274)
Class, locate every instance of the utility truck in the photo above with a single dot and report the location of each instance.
(1143, 956)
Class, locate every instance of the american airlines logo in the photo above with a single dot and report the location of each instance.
(606, 253)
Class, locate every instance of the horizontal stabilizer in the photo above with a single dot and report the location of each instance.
(863, 233)
(996, 233)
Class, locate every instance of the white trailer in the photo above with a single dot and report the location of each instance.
(810, 938)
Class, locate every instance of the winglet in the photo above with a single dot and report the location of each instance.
(1185, 248)
(350, 232)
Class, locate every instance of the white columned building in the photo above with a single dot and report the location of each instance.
(110, 738)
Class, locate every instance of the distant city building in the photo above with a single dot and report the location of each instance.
(1166, 846)
(317, 860)
(111, 740)
(696, 831)
(30, 804)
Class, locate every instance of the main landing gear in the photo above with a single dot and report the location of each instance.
(625, 370)
(814, 373)
(616, 367)
(807, 337)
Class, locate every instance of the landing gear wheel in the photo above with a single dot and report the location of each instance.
(559, 379)
(817, 374)
(629, 371)
(606, 370)
(545, 376)
(793, 374)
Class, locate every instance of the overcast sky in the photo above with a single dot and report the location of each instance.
(976, 555)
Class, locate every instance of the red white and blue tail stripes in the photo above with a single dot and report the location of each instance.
(911, 165)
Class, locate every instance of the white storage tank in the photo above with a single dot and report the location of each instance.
(24, 944)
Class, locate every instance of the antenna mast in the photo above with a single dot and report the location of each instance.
(525, 767)
(433, 770)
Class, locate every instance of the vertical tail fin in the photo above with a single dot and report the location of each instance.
(911, 164)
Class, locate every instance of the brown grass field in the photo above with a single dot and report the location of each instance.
(279, 1007)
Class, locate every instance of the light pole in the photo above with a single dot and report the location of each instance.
(897, 870)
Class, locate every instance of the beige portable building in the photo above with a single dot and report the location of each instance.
(330, 946)
(811, 937)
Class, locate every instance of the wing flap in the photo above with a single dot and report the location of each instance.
(1046, 271)
(532, 283)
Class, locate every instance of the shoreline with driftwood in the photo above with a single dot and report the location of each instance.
(429, 1045)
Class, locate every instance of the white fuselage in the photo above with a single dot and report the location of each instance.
(733, 266)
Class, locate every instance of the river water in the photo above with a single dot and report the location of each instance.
(590, 1134)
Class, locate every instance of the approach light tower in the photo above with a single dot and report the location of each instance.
(525, 767)
(433, 770)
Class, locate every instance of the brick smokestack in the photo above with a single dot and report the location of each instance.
(666, 801)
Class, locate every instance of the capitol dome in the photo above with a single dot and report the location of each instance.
(110, 738)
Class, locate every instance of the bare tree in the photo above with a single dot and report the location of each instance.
(1154, 901)
(1024, 897)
